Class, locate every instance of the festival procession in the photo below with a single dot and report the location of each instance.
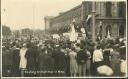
(85, 41)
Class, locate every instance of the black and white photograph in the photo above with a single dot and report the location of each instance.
(63, 39)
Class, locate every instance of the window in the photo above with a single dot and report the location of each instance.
(108, 9)
(121, 31)
(108, 31)
(121, 9)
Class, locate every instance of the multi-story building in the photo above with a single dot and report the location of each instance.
(48, 22)
(105, 17)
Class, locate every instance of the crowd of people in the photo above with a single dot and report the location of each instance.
(63, 58)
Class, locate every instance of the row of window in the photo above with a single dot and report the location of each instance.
(121, 30)
(66, 21)
(68, 16)
(121, 10)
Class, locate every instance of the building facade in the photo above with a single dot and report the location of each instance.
(107, 18)
(112, 17)
(48, 20)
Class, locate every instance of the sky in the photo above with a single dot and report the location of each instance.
(19, 14)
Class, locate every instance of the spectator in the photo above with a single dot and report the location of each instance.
(123, 63)
(32, 56)
(115, 61)
(67, 62)
(97, 58)
(88, 62)
(73, 63)
(16, 59)
(23, 60)
(81, 59)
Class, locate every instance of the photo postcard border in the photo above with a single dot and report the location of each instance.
(73, 77)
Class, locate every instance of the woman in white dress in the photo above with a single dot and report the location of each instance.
(23, 61)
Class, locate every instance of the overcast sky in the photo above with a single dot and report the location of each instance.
(20, 14)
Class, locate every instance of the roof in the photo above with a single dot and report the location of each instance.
(68, 11)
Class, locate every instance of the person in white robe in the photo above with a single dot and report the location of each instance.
(23, 60)
(108, 35)
(73, 34)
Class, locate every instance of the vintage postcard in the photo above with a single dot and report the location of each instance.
(63, 39)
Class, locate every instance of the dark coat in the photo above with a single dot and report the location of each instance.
(16, 61)
(6, 59)
(46, 61)
(106, 57)
(6, 63)
(16, 58)
(67, 65)
(60, 59)
(55, 55)
(81, 56)
(32, 56)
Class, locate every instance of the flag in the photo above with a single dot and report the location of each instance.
(88, 18)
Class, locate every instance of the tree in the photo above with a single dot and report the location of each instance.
(16, 33)
(6, 31)
(26, 31)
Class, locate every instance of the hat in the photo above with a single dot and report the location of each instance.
(105, 70)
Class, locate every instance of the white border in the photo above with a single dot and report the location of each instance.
(126, 40)
(1, 48)
(74, 77)
(62, 77)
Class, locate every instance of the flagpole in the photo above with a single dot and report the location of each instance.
(93, 21)
(33, 17)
